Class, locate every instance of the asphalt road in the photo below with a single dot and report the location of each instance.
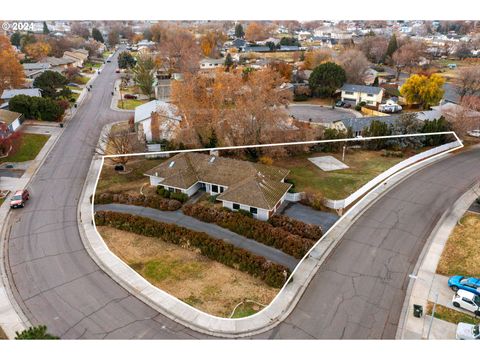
(357, 293)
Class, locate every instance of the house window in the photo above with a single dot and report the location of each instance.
(348, 92)
(370, 95)
(171, 189)
(236, 206)
(215, 188)
(222, 189)
(253, 210)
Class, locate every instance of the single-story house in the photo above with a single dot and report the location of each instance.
(10, 93)
(12, 119)
(257, 188)
(158, 120)
(371, 95)
(208, 63)
(250, 48)
(60, 64)
(77, 56)
(33, 70)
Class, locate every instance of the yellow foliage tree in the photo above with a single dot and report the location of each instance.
(424, 90)
(38, 50)
(256, 32)
(11, 72)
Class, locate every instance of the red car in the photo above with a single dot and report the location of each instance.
(19, 199)
(130, 96)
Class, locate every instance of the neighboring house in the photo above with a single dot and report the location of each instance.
(249, 48)
(207, 63)
(59, 64)
(10, 93)
(12, 119)
(253, 187)
(371, 95)
(157, 119)
(78, 57)
(358, 125)
(33, 70)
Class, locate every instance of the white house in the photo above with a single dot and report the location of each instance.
(158, 120)
(371, 95)
(253, 187)
(207, 63)
(12, 119)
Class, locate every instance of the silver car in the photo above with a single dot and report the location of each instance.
(467, 332)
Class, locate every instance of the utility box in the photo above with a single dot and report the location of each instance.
(417, 310)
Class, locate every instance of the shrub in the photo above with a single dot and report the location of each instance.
(292, 188)
(215, 249)
(358, 107)
(33, 107)
(138, 200)
(362, 103)
(266, 160)
(313, 200)
(179, 196)
(257, 230)
(293, 226)
(391, 153)
(212, 198)
(245, 213)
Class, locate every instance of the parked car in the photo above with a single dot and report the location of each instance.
(109, 61)
(467, 332)
(467, 300)
(130, 96)
(474, 133)
(72, 84)
(340, 103)
(19, 199)
(458, 282)
(347, 105)
(117, 71)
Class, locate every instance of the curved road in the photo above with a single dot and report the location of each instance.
(357, 293)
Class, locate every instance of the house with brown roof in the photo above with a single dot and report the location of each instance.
(11, 119)
(257, 188)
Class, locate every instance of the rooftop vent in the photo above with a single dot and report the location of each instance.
(172, 163)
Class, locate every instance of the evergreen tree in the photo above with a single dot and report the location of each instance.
(46, 30)
(228, 61)
(35, 333)
(97, 35)
(239, 33)
(392, 46)
(326, 79)
(15, 39)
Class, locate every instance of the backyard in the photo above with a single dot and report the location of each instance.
(198, 281)
(30, 146)
(363, 166)
(461, 255)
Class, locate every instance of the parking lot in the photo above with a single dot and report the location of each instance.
(320, 114)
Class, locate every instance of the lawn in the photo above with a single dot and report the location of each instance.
(461, 255)
(92, 65)
(106, 54)
(30, 146)
(198, 281)
(130, 104)
(111, 180)
(364, 166)
(82, 80)
(450, 315)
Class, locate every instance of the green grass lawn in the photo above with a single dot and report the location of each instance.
(82, 80)
(244, 310)
(106, 54)
(450, 315)
(30, 146)
(94, 65)
(364, 166)
(1, 202)
(130, 104)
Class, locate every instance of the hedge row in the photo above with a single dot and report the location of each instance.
(215, 249)
(164, 193)
(139, 200)
(260, 231)
(296, 227)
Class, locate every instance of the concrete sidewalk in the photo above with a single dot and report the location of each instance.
(425, 284)
(180, 219)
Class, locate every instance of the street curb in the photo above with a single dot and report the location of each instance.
(281, 306)
(439, 235)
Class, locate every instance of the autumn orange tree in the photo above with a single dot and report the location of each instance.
(38, 50)
(256, 32)
(314, 58)
(11, 72)
(234, 107)
(210, 42)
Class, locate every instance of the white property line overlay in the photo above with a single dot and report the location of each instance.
(290, 278)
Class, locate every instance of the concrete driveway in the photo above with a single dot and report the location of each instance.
(319, 113)
(311, 216)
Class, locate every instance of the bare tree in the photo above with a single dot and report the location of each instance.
(408, 56)
(468, 81)
(355, 64)
(374, 48)
(466, 116)
(118, 142)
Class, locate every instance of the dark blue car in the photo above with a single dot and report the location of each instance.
(461, 282)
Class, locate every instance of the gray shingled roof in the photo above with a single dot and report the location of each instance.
(361, 88)
(359, 124)
(36, 66)
(9, 93)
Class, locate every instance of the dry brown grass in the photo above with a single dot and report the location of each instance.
(205, 284)
(461, 255)
(3, 336)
